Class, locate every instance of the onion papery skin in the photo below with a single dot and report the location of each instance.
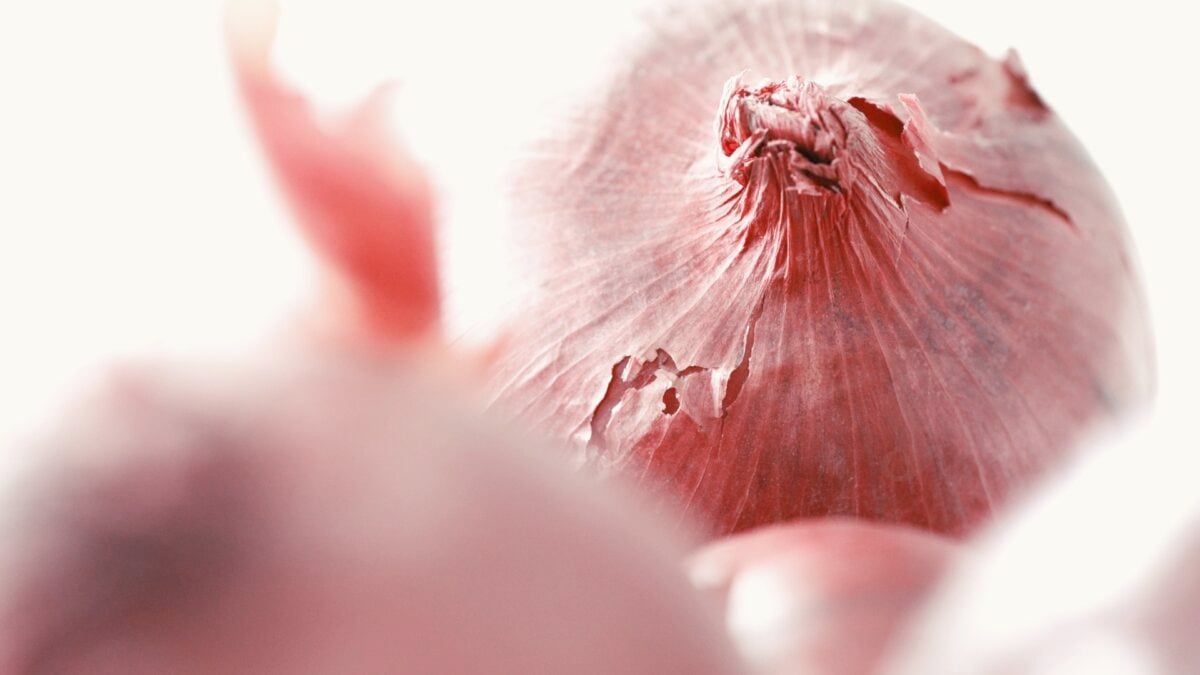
(820, 596)
(358, 197)
(804, 258)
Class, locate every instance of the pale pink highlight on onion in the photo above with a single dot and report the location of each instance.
(820, 596)
(1095, 573)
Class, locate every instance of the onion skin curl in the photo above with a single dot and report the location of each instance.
(801, 258)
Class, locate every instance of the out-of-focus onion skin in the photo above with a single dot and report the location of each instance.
(821, 596)
(327, 512)
(1096, 573)
(322, 506)
(886, 283)
(362, 202)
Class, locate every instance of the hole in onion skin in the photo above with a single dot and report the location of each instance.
(327, 511)
(820, 596)
(904, 288)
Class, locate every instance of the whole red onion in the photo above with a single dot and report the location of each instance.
(805, 258)
(821, 596)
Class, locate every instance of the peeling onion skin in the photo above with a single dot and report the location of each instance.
(820, 596)
(885, 282)
(313, 511)
(363, 203)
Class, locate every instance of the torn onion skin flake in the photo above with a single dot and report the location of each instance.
(823, 595)
(361, 201)
(885, 282)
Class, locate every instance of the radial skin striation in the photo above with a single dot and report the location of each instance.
(805, 258)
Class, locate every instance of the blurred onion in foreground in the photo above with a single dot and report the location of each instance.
(323, 511)
(325, 506)
(1096, 574)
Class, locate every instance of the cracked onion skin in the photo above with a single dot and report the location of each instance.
(805, 258)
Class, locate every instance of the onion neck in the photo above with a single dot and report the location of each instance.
(790, 129)
(797, 153)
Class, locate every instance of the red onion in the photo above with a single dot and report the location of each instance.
(328, 509)
(327, 512)
(804, 258)
(820, 596)
(1096, 574)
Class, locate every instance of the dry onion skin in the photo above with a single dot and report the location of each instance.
(805, 258)
(359, 199)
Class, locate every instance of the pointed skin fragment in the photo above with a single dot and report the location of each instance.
(362, 202)
(905, 283)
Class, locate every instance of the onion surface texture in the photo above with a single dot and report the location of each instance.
(801, 258)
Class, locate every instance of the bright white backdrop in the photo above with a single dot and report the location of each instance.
(135, 216)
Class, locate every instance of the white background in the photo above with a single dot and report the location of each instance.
(135, 216)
